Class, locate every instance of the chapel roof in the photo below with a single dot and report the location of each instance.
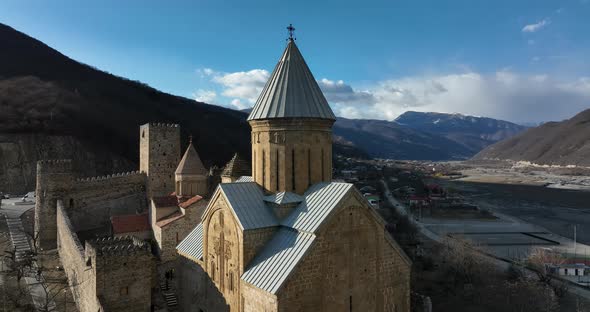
(236, 167)
(191, 163)
(291, 91)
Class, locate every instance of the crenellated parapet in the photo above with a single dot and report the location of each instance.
(160, 124)
(130, 174)
(119, 246)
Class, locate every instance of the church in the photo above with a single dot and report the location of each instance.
(288, 238)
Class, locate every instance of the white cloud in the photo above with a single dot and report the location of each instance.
(504, 94)
(245, 85)
(530, 28)
(236, 103)
(206, 96)
(339, 92)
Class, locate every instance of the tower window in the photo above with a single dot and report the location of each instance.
(254, 166)
(323, 178)
(263, 169)
(277, 171)
(213, 270)
(293, 169)
(231, 281)
(309, 167)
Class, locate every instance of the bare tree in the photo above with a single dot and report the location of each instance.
(540, 259)
(53, 290)
(465, 262)
(33, 238)
(19, 267)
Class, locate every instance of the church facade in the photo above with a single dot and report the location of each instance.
(288, 238)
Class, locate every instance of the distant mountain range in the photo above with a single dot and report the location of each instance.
(474, 133)
(553, 143)
(423, 136)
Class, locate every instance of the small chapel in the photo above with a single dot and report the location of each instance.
(287, 237)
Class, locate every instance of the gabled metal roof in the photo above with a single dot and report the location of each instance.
(291, 91)
(320, 200)
(282, 198)
(191, 163)
(273, 264)
(192, 245)
(246, 201)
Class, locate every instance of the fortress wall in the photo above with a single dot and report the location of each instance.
(81, 278)
(93, 201)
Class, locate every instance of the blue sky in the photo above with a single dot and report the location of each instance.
(523, 61)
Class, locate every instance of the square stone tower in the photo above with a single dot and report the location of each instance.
(159, 155)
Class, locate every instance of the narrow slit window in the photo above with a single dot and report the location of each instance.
(263, 169)
(323, 175)
(293, 169)
(309, 167)
(277, 170)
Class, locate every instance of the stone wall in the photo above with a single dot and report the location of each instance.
(124, 273)
(257, 300)
(254, 240)
(92, 201)
(196, 290)
(81, 277)
(352, 266)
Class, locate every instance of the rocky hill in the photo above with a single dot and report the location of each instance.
(54, 107)
(553, 143)
(474, 133)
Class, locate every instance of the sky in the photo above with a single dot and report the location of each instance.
(522, 61)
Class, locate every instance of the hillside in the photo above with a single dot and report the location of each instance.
(553, 143)
(474, 133)
(385, 139)
(44, 94)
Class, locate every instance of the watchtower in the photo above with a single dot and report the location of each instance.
(159, 154)
(54, 179)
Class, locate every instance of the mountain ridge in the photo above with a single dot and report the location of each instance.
(563, 143)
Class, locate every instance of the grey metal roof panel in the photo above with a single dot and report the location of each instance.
(246, 201)
(273, 264)
(192, 245)
(291, 91)
(283, 198)
(244, 179)
(320, 200)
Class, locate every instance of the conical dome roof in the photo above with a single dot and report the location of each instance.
(236, 167)
(291, 91)
(191, 163)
